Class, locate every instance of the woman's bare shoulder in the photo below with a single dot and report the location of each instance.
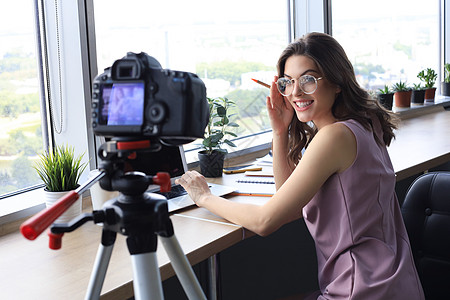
(338, 142)
(337, 131)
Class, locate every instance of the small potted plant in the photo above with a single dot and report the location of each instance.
(212, 156)
(428, 77)
(402, 94)
(386, 97)
(60, 170)
(445, 87)
(418, 94)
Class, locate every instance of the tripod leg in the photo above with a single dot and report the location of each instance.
(100, 265)
(214, 278)
(146, 277)
(182, 268)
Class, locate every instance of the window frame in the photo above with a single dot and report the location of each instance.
(80, 75)
(23, 204)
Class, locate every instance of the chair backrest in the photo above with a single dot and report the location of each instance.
(426, 212)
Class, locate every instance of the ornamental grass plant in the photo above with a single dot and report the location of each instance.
(60, 169)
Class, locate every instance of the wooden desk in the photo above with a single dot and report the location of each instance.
(30, 270)
(421, 143)
(204, 214)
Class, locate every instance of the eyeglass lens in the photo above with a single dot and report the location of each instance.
(307, 83)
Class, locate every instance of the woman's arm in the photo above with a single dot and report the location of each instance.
(332, 150)
(281, 168)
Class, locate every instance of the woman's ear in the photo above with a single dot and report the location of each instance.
(337, 91)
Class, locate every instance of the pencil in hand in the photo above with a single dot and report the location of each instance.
(261, 83)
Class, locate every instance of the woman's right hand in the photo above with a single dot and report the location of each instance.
(280, 110)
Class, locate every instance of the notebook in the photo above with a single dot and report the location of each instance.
(261, 187)
(173, 161)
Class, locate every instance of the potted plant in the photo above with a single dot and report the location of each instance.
(212, 156)
(402, 94)
(60, 170)
(386, 97)
(428, 77)
(417, 94)
(445, 87)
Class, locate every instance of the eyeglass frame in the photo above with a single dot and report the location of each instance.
(307, 93)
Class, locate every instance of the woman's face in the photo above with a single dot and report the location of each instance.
(316, 106)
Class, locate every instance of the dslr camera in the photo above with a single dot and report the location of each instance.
(137, 98)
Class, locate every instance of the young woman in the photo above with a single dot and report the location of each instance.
(343, 184)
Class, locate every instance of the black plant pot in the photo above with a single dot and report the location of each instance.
(445, 88)
(211, 165)
(418, 96)
(386, 100)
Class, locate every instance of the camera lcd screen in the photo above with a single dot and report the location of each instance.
(122, 104)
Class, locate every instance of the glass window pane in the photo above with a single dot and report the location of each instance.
(226, 43)
(20, 118)
(388, 41)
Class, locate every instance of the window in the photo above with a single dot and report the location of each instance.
(20, 118)
(225, 43)
(388, 41)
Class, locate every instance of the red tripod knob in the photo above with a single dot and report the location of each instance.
(55, 240)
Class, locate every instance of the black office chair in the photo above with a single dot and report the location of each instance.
(426, 212)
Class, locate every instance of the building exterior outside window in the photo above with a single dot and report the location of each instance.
(224, 43)
(388, 41)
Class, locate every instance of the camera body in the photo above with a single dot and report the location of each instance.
(137, 98)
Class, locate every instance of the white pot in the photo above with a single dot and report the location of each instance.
(73, 211)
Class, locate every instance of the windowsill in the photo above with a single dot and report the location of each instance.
(245, 147)
(21, 206)
(421, 109)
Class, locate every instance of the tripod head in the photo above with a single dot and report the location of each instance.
(116, 154)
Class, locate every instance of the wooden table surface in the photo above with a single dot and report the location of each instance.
(421, 143)
(30, 270)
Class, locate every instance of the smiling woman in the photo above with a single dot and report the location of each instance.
(343, 184)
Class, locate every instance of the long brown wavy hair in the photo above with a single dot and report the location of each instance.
(353, 102)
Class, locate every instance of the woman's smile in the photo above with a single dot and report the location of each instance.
(302, 105)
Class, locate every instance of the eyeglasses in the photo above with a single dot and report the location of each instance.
(307, 83)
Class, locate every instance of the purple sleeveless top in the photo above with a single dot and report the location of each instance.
(363, 250)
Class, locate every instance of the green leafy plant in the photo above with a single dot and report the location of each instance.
(447, 73)
(218, 124)
(385, 90)
(400, 87)
(417, 87)
(59, 169)
(428, 76)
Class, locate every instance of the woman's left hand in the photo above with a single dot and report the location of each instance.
(195, 184)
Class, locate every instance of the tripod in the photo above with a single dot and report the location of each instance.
(140, 216)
